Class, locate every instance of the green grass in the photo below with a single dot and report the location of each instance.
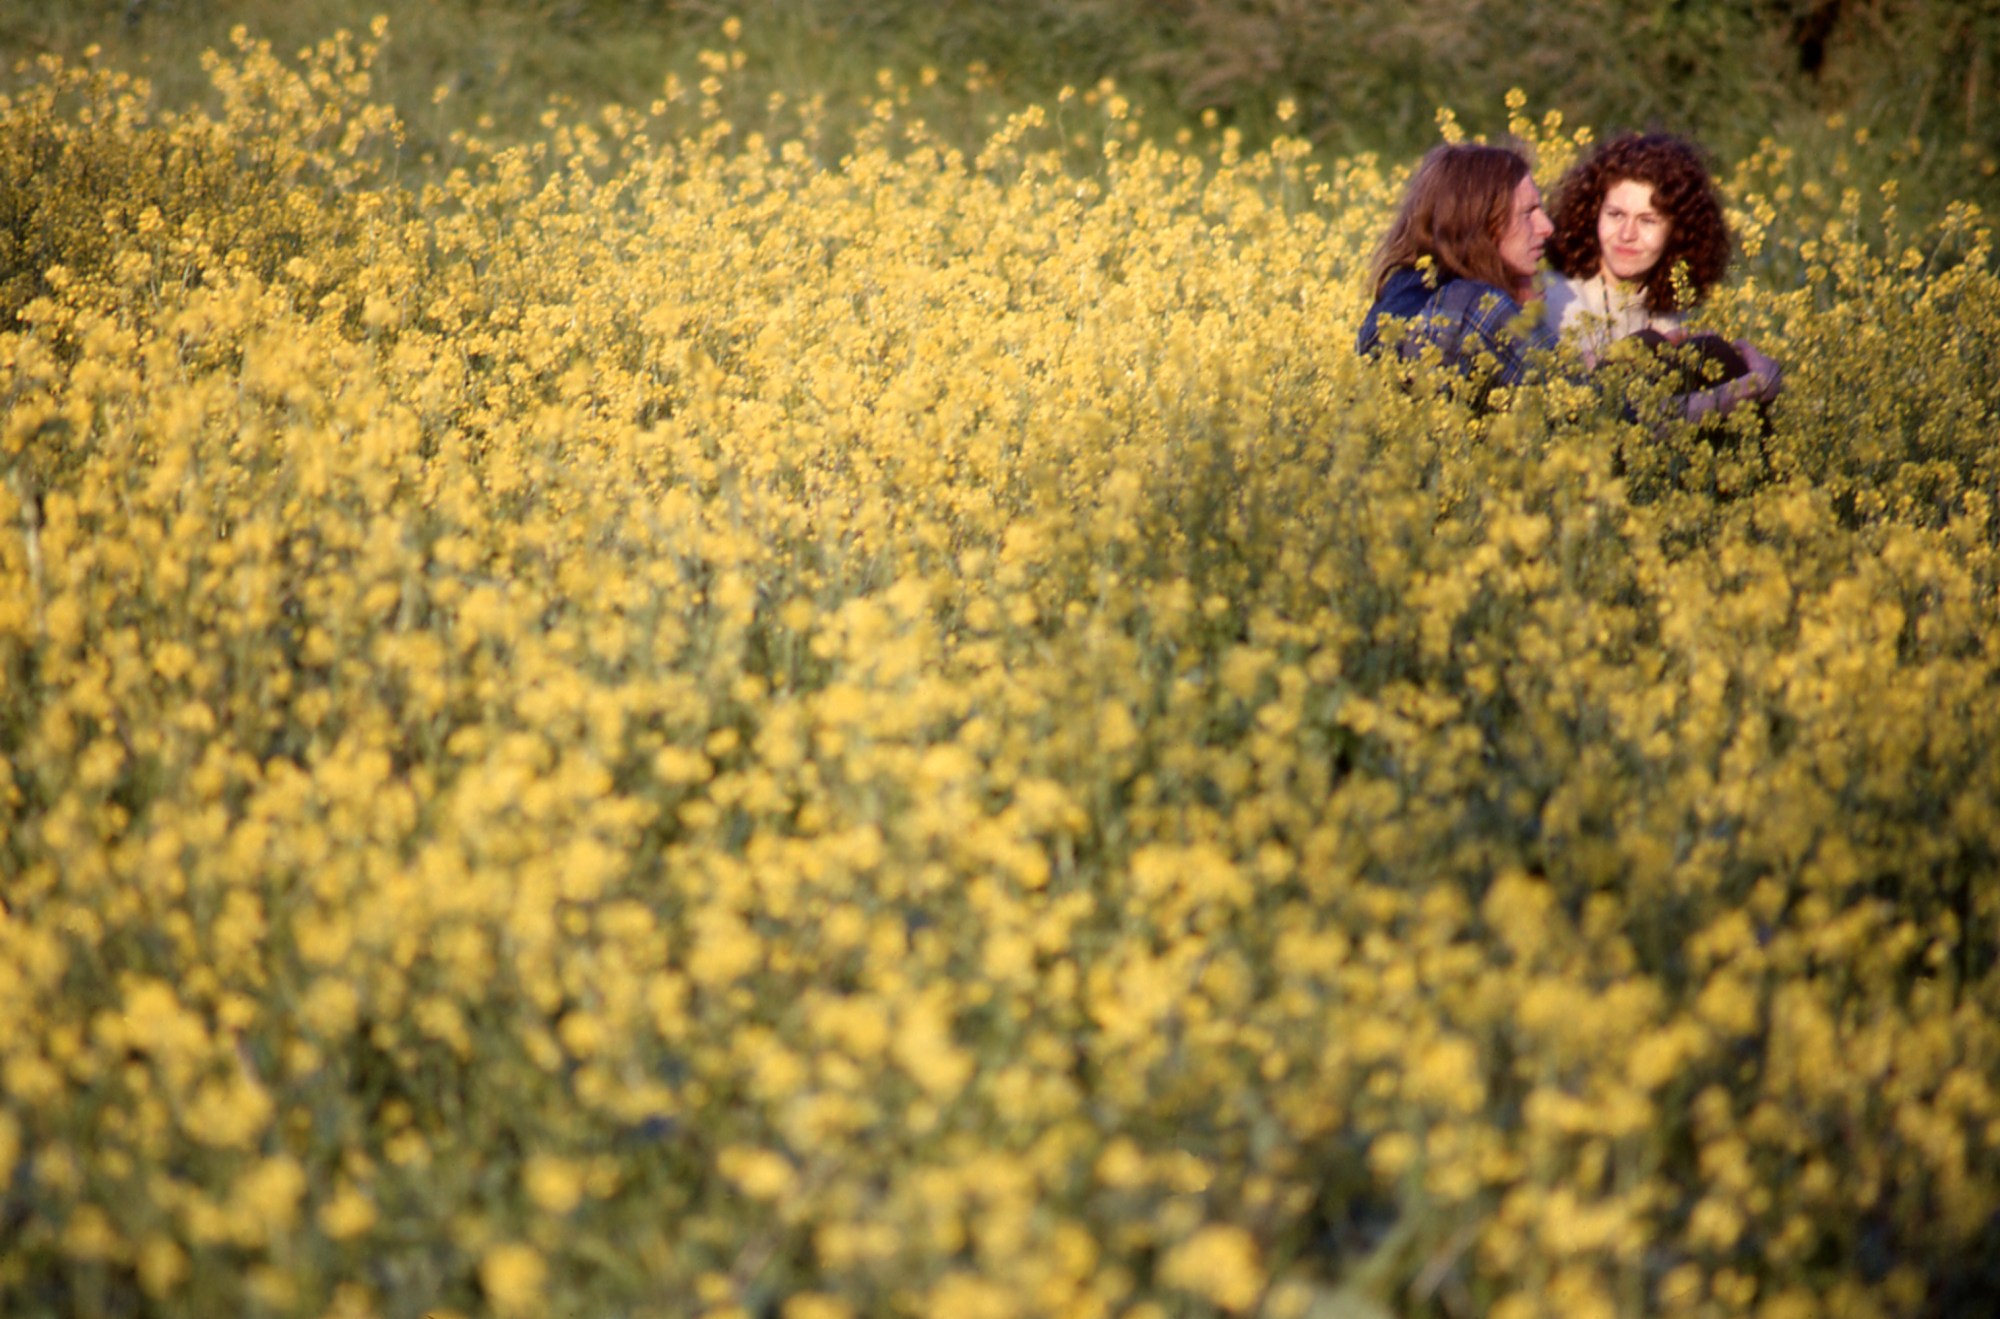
(1915, 79)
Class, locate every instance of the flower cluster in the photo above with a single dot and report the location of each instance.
(683, 720)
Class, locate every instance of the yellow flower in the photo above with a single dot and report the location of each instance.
(761, 1174)
(349, 1214)
(814, 1305)
(554, 1184)
(90, 1236)
(972, 1297)
(923, 1047)
(1218, 1263)
(162, 1265)
(265, 1200)
(514, 1277)
(229, 1113)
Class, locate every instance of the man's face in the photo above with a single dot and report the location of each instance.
(1527, 229)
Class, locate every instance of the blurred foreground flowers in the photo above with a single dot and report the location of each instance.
(679, 720)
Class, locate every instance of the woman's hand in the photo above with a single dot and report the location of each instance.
(1761, 383)
(1768, 376)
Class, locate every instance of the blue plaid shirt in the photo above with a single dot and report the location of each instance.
(1481, 332)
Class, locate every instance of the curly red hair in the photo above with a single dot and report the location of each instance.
(1698, 238)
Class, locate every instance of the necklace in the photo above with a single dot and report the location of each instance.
(1621, 304)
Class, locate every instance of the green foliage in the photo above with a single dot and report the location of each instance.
(1917, 76)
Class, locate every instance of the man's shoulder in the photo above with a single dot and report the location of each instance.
(1489, 311)
(1473, 295)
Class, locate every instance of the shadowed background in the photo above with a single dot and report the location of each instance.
(1908, 79)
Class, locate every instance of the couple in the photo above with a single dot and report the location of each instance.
(1638, 236)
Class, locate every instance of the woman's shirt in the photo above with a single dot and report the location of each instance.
(1479, 329)
(1593, 313)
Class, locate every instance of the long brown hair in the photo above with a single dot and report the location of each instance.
(1697, 233)
(1458, 203)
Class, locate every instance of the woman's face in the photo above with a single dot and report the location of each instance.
(1528, 227)
(1631, 231)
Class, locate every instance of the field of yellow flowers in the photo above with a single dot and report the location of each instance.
(695, 720)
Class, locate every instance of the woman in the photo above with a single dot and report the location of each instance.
(1639, 239)
(1458, 266)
